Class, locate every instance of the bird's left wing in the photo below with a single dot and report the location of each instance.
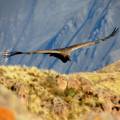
(43, 51)
(7, 53)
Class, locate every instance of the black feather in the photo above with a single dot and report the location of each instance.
(62, 57)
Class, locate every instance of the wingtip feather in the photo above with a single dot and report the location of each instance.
(115, 31)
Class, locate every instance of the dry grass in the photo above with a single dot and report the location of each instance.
(55, 96)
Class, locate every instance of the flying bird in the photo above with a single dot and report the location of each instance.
(62, 53)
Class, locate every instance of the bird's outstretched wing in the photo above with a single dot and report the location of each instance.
(63, 53)
(7, 53)
(91, 43)
(56, 53)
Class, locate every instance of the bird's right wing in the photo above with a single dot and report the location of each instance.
(90, 43)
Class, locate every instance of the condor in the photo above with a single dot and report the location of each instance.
(62, 53)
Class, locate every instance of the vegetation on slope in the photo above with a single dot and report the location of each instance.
(55, 96)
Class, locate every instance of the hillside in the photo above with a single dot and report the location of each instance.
(42, 24)
(49, 95)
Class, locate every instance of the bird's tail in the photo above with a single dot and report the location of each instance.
(115, 31)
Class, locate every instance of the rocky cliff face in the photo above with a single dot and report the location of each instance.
(49, 95)
(41, 24)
